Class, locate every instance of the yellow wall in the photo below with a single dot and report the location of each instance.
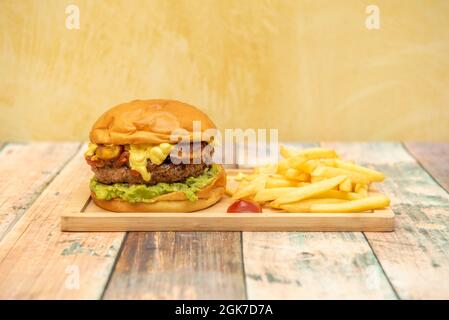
(310, 68)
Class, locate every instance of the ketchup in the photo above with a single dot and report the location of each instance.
(244, 206)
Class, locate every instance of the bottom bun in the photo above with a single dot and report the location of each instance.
(118, 205)
(170, 202)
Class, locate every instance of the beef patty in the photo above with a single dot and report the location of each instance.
(166, 172)
(118, 170)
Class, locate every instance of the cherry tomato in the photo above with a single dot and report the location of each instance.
(244, 206)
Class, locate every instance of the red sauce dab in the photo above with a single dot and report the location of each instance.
(244, 206)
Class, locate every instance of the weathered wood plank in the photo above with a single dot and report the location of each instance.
(25, 170)
(39, 261)
(179, 265)
(415, 256)
(295, 265)
(434, 157)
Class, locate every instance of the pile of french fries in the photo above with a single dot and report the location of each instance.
(311, 180)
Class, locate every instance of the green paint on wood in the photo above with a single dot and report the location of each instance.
(415, 257)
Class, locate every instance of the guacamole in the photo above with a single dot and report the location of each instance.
(145, 193)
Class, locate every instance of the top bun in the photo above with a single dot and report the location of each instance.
(147, 121)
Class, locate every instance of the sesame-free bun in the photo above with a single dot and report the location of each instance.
(170, 202)
(147, 121)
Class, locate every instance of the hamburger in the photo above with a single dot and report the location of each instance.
(140, 165)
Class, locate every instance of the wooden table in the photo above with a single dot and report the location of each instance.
(38, 261)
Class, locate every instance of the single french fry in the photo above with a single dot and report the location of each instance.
(287, 152)
(309, 190)
(271, 194)
(372, 174)
(317, 179)
(244, 190)
(339, 195)
(304, 205)
(361, 189)
(231, 189)
(304, 177)
(346, 185)
(260, 182)
(302, 183)
(308, 166)
(296, 161)
(329, 172)
(291, 173)
(282, 166)
(280, 183)
(248, 189)
(240, 176)
(268, 169)
(361, 205)
(328, 162)
(294, 174)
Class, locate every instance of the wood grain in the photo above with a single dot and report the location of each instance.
(294, 265)
(26, 169)
(84, 215)
(414, 257)
(434, 157)
(179, 265)
(216, 219)
(38, 261)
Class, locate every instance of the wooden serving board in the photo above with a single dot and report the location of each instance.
(83, 215)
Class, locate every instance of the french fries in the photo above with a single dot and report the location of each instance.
(280, 182)
(335, 194)
(361, 189)
(309, 191)
(364, 204)
(346, 185)
(311, 180)
(305, 205)
(231, 188)
(371, 174)
(272, 194)
(330, 172)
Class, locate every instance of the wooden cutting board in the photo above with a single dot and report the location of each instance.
(83, 215)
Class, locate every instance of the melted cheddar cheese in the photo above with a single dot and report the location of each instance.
(139, 154)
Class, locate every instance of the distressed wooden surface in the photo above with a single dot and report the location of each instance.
(38, 261)
(434, 157)
(26, 169)
(179, 265)
(295, 265)
(415, 256)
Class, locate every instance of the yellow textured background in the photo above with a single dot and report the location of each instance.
(309, 68)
